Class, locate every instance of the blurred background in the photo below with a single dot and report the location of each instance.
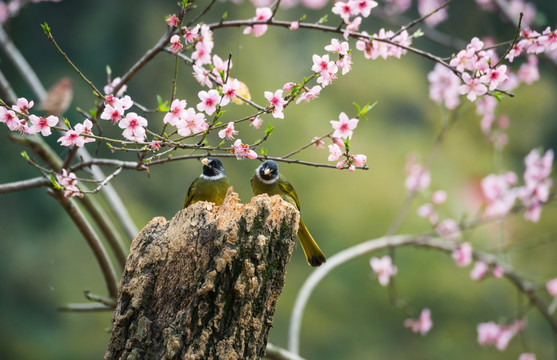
(45, 263)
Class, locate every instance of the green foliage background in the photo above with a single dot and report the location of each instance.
(45, 263)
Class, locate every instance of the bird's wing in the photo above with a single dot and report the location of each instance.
(189, 196)
(288, 189)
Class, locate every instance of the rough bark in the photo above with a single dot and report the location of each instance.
(204, 285)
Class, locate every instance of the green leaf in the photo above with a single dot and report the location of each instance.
(418, 33)
(46, 28)
(303, 17)
(263, 151)
(55, 183)
(225, 15)
(221, 143)
(25, 155)
(218, 123)
(162, 106)
(269, 129)
(497, 96)
(323, 20)
(347, 144)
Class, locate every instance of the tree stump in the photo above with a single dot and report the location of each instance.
(205, 284)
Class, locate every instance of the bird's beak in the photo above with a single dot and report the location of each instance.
(205, 162)
(267, 171)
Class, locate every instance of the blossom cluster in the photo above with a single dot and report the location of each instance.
(490, 333)
(501, 194)
(342, 132)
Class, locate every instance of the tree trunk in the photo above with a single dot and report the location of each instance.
(205, 284)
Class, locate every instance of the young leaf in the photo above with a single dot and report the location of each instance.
(263, 151)
(55, 183)
(269, 129)
(46, 28)
(25, 155)
(162, 106)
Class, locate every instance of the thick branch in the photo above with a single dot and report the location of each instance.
(205, 284)
(92, 239)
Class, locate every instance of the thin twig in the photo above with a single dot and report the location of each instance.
(24, 185)
(96, 245)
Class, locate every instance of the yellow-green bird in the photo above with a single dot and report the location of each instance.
(211, 185)
(268, 180)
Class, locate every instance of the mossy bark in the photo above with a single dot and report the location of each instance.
(205, 284)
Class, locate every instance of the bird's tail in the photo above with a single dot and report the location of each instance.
(314, 255)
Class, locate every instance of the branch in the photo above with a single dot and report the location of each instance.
(21, 64)
(277, 353)
(369, 246)
(110, 278)
(24, 185)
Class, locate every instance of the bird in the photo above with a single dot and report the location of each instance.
(268, 180)
(58, 98)
(210, 186)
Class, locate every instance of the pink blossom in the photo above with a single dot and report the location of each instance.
(177, 112)
(340, 164)
(528, 9)
(499, 195)
(209, 101)
(428, 211)
(289, 86)
(395, 7)
(537, 183)
(514, 52)
(229, 91)
(85, 129)
(443, 87)
(228, 132)
(527, 356)
(242, 150)
(202, 53)
(343, 128)
(549, 39)
(359, 159)
(447, 228)
(418, 177)
(499, 335)
(498, 272)
(463, 255)
(338, 47)
(345, 63)
(109, 89)
(363, 7)
(439, 197)
(318, 143)
(112, 113)
(23, 105)
(261, 14)
(191, 35)
(528, 73)
(192, 123)
(72, 137)
(172, 20)
(10, 118)
(352, 27)
(421, 325)
(344, 9)
(134, 127)
(42, 125)
(256, 122)
(472, 87)
(277, 102)
(155, 145)
(221, 68)
(294, 25)
(175, 44)
(202, 76)
(309, 94)
(479, 270)
(427, 6)
(551, 287)
(68, 181)
(334, 152)
(384, 269)
(325, 68)
(495, 76)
